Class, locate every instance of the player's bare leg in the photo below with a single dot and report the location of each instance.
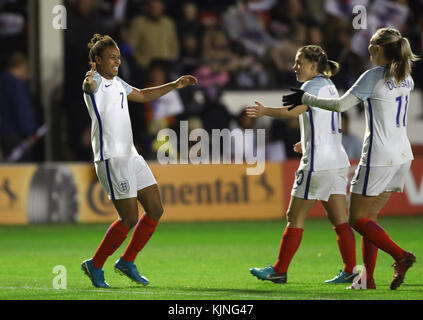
(128, 211)
(366, 207)
(118, 231)
(297, 212)
(149, 198)
(362, 210)
(336, 209)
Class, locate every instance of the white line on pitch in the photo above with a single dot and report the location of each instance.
(111, 291)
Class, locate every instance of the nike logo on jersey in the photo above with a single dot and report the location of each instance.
(108, 85)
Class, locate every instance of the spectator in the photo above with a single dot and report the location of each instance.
(283, 55)
(162, 112)
(219, 61)
(153, 36)
(285, 133)
(285, 16)
(245, 27)
(251, 147)
(190, 54)
(351, 142)
(13, 27)
(351, 64)
(17, 113)
(190, 22)
(382, 13)
(315, 36)
(252, 74)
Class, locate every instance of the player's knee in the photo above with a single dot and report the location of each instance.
(129, 222)
(156, 212)
(293, 219)
(351, 221)
(289, 216)
(356, 215)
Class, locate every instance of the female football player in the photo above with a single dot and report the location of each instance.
(386, 155)
(123, 173)
(323, 170)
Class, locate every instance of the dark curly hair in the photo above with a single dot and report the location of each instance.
(98, 44)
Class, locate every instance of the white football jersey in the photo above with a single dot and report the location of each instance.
(111, 130)
(321, 132)
(386, 105)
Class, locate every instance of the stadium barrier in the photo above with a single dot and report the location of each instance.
(70, 192)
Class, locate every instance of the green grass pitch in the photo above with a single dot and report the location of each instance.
(199, 261)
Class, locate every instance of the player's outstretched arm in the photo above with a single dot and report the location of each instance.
(90, 84)
(259, 110)
(300, 97)
(149, 94)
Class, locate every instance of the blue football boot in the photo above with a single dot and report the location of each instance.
(343, 277)
(96, 275)
(129, 269)
(267, 273)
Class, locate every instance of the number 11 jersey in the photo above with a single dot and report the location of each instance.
(386, 106)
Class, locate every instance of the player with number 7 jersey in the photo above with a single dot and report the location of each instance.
(123, 173)
(386, 155)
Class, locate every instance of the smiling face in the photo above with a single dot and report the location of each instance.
(108, 63)
(304, 69)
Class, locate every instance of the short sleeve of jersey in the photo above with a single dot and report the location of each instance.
(127, 87)
(363, 87)
(312, 87)
(96, 78)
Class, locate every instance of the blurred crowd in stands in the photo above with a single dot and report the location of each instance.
(226, 44)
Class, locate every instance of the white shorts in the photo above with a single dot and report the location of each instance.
(123, 177)
(372, 181)
(320, 185)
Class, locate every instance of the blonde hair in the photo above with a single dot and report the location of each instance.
(397, 50)
(316, 54)
(98, 44)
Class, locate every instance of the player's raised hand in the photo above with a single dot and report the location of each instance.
(89, 83)
(293, 99)
(255, 111)
(89, 76)
(184, 81)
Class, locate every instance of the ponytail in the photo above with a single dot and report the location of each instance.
(397, 50)
(332, 68)
(316, 54)
(402, 63)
